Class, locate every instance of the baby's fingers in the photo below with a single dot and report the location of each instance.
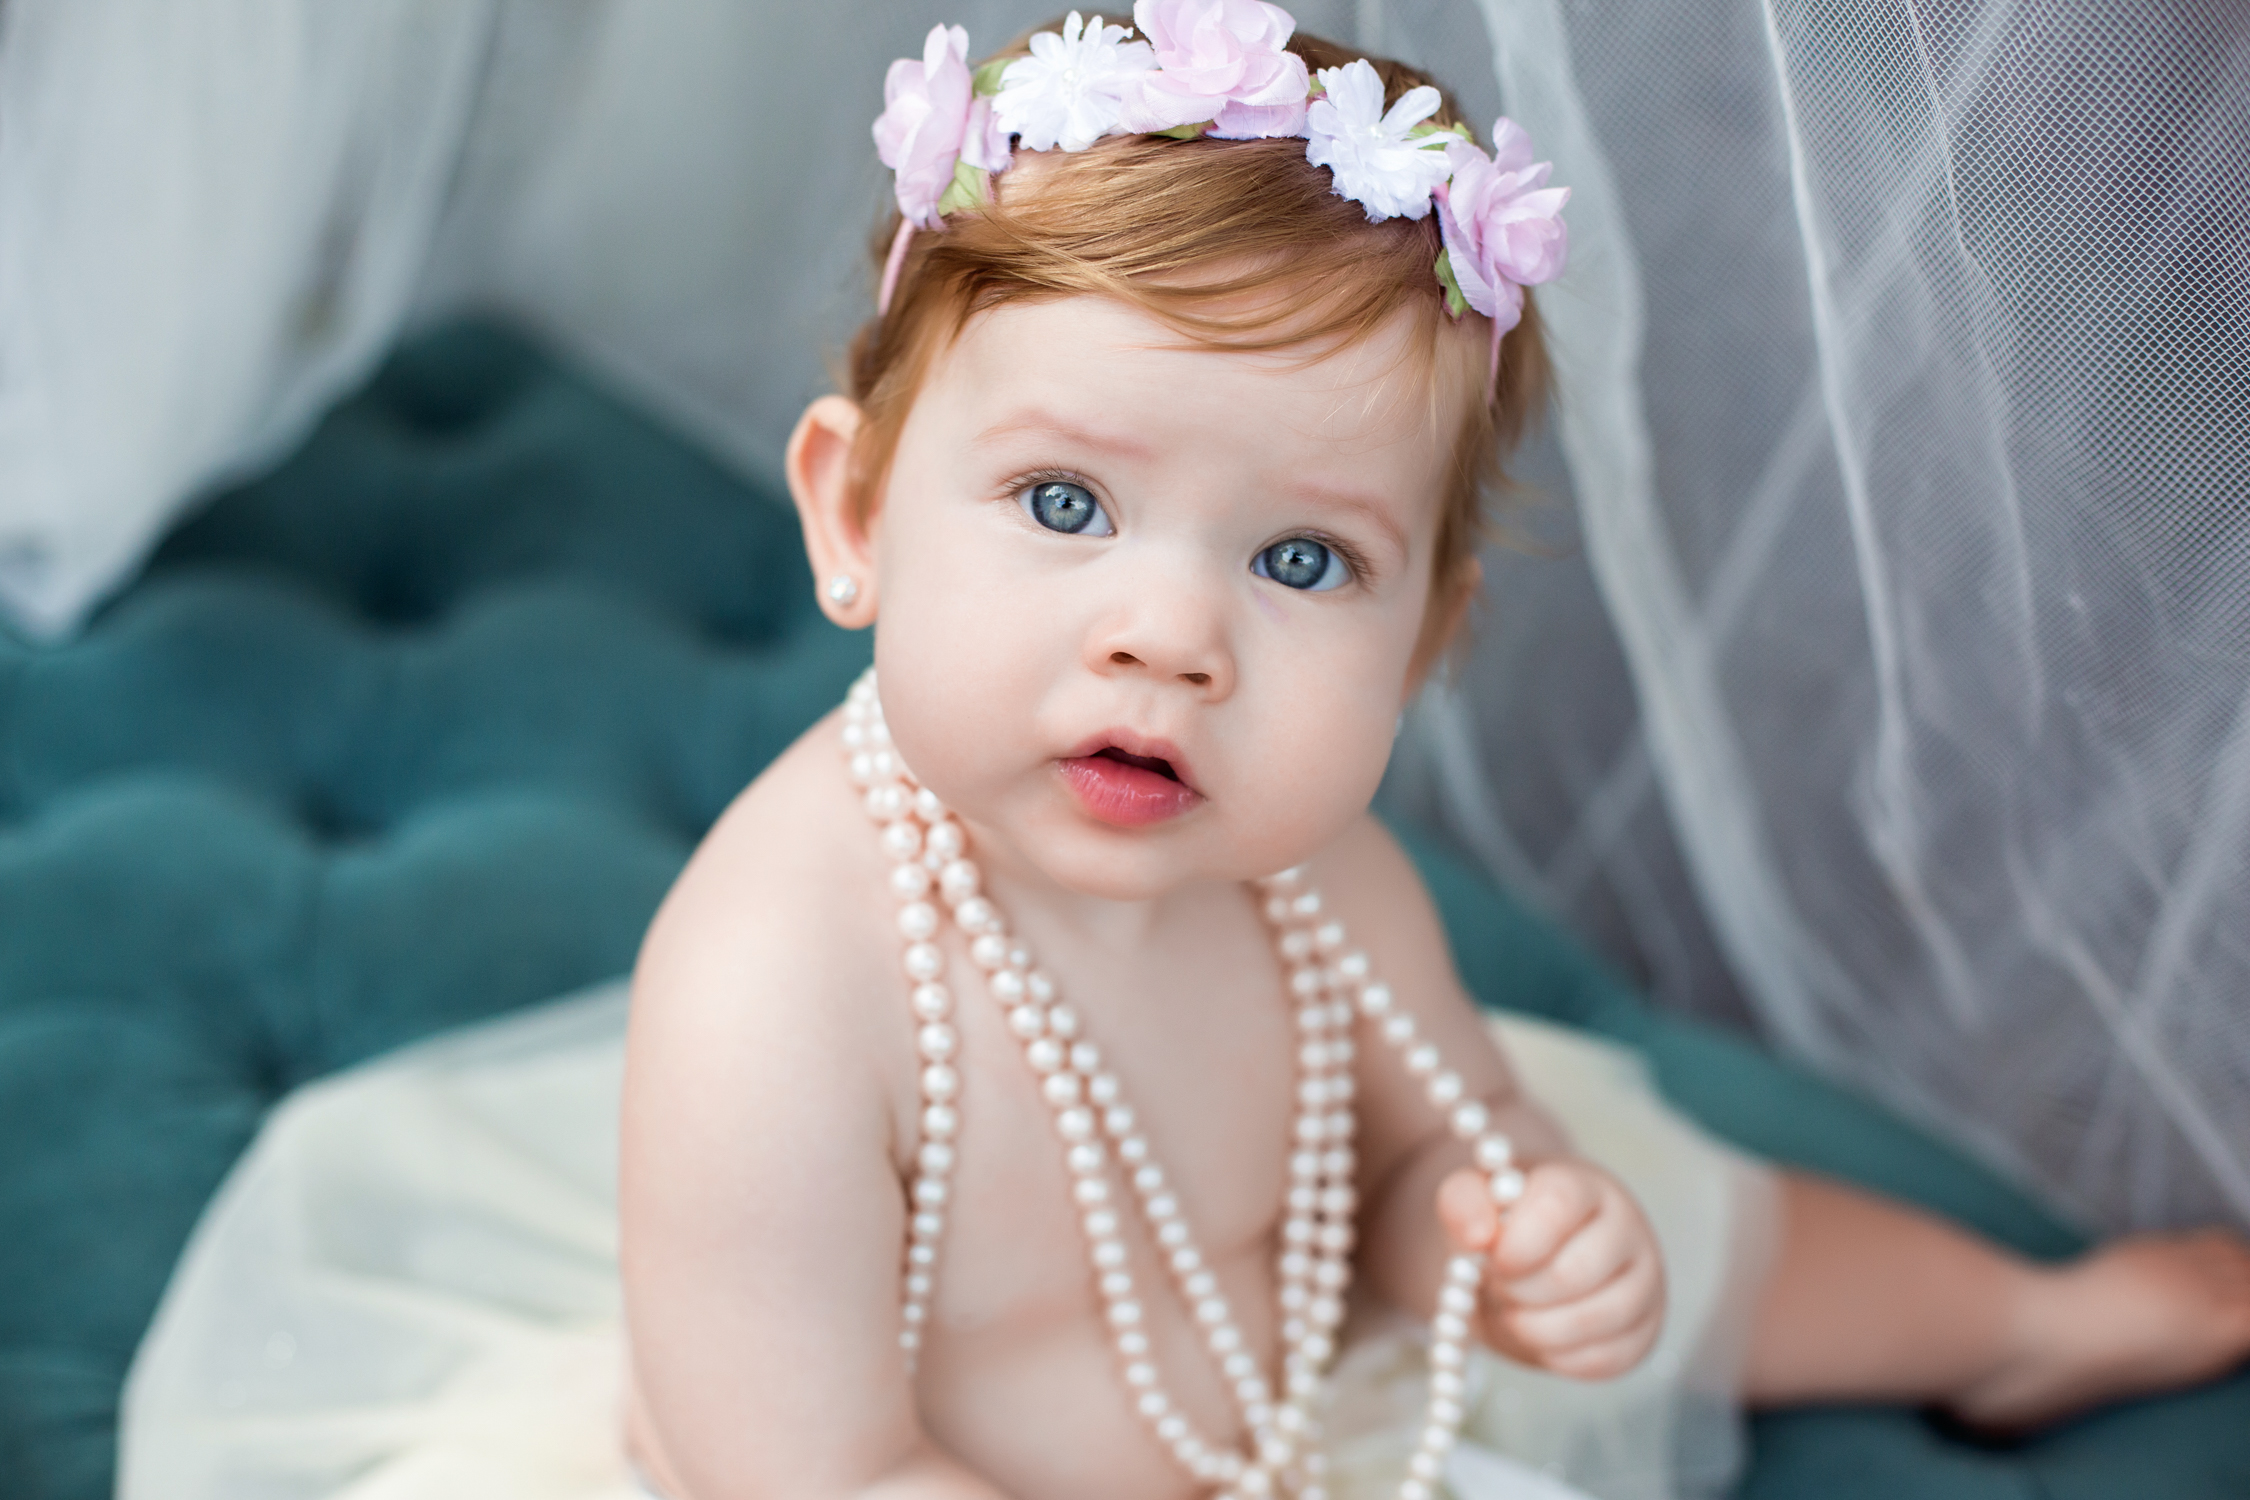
(1597, 1251)
(1620, 1306)
(1557, 1200)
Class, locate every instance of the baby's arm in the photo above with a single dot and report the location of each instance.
(762, 1213)
(1574, 1280)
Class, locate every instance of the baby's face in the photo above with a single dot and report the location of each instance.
(1147, 612)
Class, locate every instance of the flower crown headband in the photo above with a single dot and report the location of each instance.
(1220, 68)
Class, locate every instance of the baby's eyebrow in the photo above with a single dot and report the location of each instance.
(1367, 508)
(1043, 423)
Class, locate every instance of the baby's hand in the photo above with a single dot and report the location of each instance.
(1573, 1280)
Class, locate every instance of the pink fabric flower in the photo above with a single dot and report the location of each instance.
(1502, 224)
(925, 119)
(1221, 62)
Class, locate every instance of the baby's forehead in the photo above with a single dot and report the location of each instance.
(1102, 354)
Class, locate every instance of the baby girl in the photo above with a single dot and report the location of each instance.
(1043, 1068)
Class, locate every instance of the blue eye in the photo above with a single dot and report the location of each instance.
(1301, 563)
(1071, 508)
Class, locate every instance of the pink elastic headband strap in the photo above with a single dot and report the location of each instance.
(892, 264)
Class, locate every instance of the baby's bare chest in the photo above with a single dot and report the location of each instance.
(1203, 1058)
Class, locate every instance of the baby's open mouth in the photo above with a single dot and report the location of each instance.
(1161, 767)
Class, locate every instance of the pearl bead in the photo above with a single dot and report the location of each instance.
(940, 1121)
(1304, 1165)
(1211, 1310)
(1172, 1235)
(1324, 1312)
(1027, 1021)
(1225, 1339)
(1306, 906)
(940, 1082)
(1340, 1016)
(1045, 1054)
(1116, 1284)
(928, 1224)
(1162, 1208)
(902, 840)
(935, 1158)
(1398, 1029)
(1303, 1199)
(1449, 1385)
(909, 881)
(1007, 988)
(1445, 1088)
(1422, 1061)
(1124, 1314)
(1339, 1125)
(1495, 1152)
(913, 1312)
(1076, 1124)
(946, 840)
(1414, 1489)
(1149, 1179)
(1042, 986)
(1352, 966)
(1172, 1429)
(1507, 1186)
(1457, 1300)
(1337, 1161)
(959, 881)
(1085, 1058)
(936, 1041)
(921, 1255)
(1101, 1224)
(1061, 1089)
(1449, 1326)
(1119, 1121)
(1469, 1120)
(1296, 1265)
(932, 1002)
(1062, 1020)
(1090, 1191)
(1464, 1270)
(927, 807)
(854, 735)
(1154, 1404)
(929, 1192)
(924, 962)
(989, 951)
(1140, 1374)
(976, 915)
(861, 766)
(918, 1285)
(1132, 1149)
(1313, 1057)
(1425, 1466)
(1201, 1284)
(1085, 1160)
(1308, 1130)
(884, 803)
(1109, 1254)
(1449, 1413)
(1304, 982)
(1186, 1260)
(1375, 1000)
(1019, 958)
(1446, 1356)
(1132, 1343)
(1332, 1275)
(1336, 1237)
(1313, 1093)
(1104, 1089)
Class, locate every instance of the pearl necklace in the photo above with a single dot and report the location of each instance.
(1328, 984)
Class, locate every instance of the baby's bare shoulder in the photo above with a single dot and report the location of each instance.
(776, 935)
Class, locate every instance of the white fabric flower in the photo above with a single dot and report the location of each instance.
(1375, 159)
(1071, 91)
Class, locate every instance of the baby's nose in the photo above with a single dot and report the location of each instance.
(1174, 632)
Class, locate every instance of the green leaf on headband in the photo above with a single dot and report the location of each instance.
(1428, 128)
(1455, 303)
(986, 79)
(971, 189)
(1183, 132)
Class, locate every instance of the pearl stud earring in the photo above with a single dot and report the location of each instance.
(843, 589)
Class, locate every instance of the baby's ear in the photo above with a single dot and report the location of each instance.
(818, 463)
(1443, 621)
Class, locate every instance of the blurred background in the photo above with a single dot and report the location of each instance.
(1868, 664)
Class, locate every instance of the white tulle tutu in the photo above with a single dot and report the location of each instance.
(407, 1290)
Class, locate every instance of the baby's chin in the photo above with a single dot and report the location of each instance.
(1090, 859)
